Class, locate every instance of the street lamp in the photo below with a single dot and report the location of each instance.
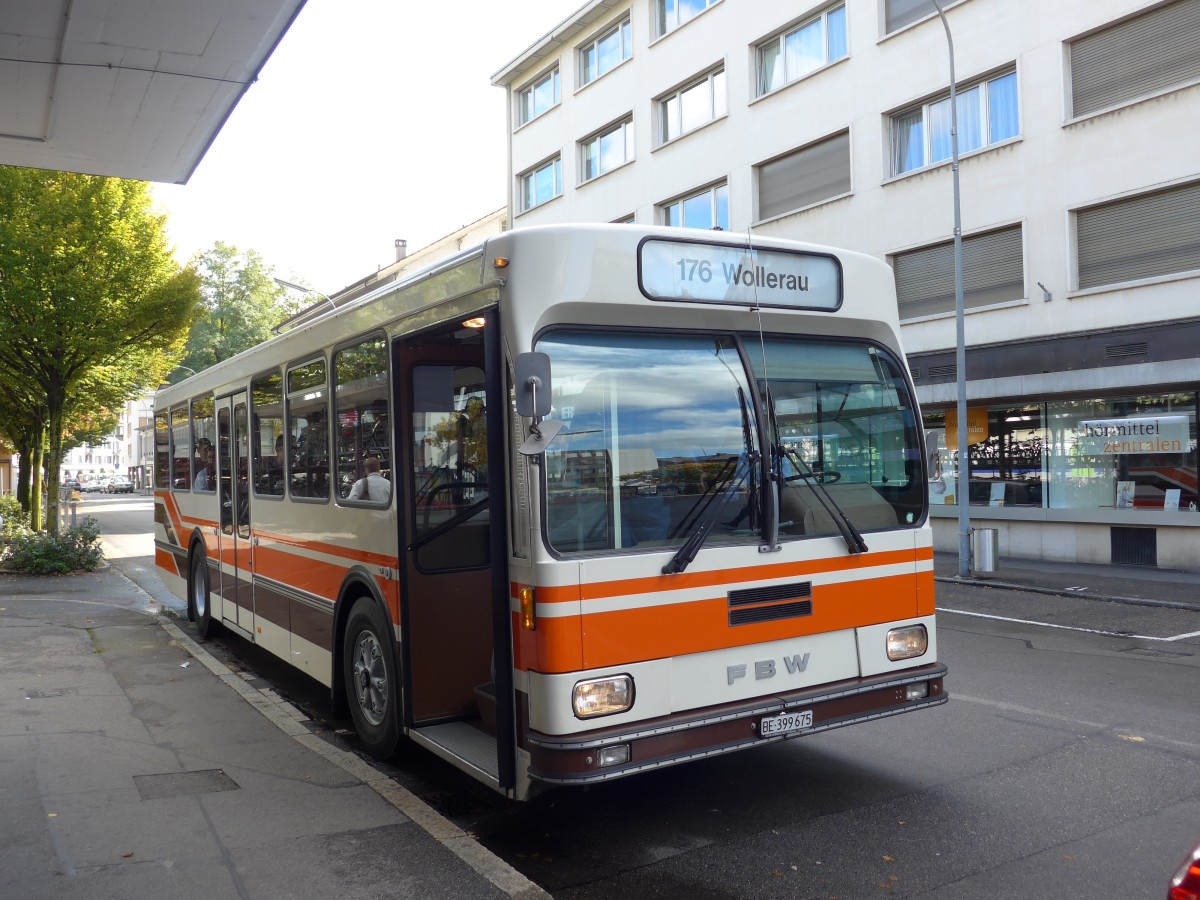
(304, 289)
(960, 349)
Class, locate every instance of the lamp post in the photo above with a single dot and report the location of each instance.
(304, 289)
(963, 481)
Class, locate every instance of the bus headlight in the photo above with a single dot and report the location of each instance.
(907, 642)
(602, 696)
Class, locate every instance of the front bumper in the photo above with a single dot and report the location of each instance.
(714, 730)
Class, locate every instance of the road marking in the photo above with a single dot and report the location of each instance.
(1134, 637)
(1142, 737)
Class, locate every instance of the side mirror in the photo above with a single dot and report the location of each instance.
(533, 385)
(533, 400)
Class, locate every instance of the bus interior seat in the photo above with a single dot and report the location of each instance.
(802, 513)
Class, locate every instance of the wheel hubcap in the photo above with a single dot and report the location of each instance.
(370, 678)
(200, 590)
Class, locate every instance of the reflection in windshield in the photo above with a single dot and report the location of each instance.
(653, 427)
(844, 410)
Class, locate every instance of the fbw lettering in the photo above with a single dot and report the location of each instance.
(766, 668)
(747, 276)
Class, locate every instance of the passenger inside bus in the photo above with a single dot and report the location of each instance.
(372, 487)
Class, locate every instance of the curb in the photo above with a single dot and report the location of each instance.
(1058, 592)
(290, 720)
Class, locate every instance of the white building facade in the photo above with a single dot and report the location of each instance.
(1079, 133)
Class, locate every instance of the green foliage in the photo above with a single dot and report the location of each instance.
(241, 305)
(56, 553)
(93, 308)
(16, 520)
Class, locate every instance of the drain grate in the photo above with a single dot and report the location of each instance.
(184, 784)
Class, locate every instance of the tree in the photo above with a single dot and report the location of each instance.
(88, 289)
(242, 304)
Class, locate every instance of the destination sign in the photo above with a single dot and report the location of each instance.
(742, 276)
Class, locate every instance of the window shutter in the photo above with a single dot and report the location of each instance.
(1141, 237)
(1137, 57)
(993, 272)
(805, 177)
(898, 13)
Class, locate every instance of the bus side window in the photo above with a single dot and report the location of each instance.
(362, 448)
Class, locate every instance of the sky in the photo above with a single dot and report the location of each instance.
(373, 120)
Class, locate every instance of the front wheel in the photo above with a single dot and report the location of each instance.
(369, 673)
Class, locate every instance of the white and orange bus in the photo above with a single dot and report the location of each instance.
(581, 502)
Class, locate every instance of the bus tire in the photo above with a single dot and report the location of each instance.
(200, 598)
(369, 673)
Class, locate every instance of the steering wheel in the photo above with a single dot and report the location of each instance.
(827, 476)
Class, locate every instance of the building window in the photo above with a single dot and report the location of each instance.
(540, 96)
(1138, 57)
(899, 13)
(541, 184)
(1147, 236)
(987, 114)
(804, 177)
(793, 54)
(692, 106)
(607, 150)
(606, 52)
(993, 272)
(670, 14)
(707, 209)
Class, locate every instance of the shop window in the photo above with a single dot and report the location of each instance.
(1136, 453)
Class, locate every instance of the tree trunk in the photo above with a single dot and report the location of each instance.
(36, 456)
(54, 427)
(23, 450)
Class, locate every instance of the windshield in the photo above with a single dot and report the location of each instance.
(660, 439)
(841, 417)
(657, 435)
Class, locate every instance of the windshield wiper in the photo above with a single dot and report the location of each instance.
(855, 542)
(704, 523)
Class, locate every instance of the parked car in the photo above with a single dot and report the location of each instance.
(92, 486)
(1186, 883)
(119, 485)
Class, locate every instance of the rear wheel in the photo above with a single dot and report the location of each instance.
(369, 673)
(199, 606)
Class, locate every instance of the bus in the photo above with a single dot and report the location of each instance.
(581, 502)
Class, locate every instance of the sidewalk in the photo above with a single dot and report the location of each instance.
(1121, 584)
(133, 764)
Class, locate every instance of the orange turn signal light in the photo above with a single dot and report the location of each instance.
(528, 609)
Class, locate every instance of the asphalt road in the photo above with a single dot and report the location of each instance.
(1067, 764)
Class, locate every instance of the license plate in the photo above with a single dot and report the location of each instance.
(785, 722)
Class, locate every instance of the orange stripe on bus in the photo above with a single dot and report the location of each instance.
(656, 583)
(362, 556)
(165, 560)
(624, 636)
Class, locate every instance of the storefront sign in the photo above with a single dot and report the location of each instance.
(977, 426)
(1150, 434)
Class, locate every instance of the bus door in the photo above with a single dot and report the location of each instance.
(453, 540)
(233, 459)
